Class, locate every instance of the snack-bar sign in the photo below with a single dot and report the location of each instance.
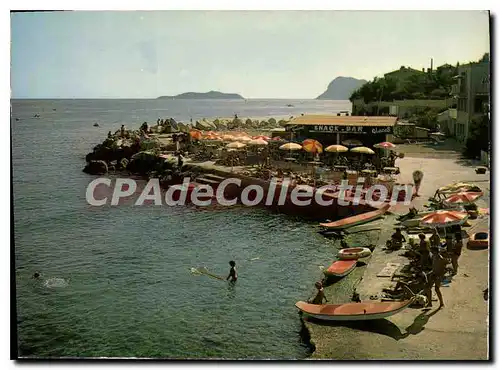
(351, 129)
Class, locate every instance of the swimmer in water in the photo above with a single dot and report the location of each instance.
(233, 276)
(36, 275)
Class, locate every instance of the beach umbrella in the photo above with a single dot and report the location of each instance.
(352, 142)
(244, 138)
(362, 150)
(312, 146)
(196, 134)
(235, 145)
(262, 137)
(258, 142)
(291, 146)
(385, 145)
(444, 218)
(463, 198)
(458, 187)
(336, 149)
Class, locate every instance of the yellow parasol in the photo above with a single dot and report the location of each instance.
(258, 142)
(362, 150)
(235, 145)
(291, 146)
(336, 149)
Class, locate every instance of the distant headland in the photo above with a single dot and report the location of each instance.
(341, 88)
(208, 95)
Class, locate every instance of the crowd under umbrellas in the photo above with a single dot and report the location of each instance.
(349, 160)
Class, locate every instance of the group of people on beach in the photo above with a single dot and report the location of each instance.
(434, 257)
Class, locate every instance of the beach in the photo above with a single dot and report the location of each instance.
(459, 331)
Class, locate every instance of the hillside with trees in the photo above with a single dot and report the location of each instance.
(418, 85)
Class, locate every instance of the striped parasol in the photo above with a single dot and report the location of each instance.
(463, 198)
(336, 149)
(312, 146)
(444, 219)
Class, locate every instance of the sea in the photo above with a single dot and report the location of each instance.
(118, 281)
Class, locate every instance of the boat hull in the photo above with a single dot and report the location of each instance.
(356, 220)
(353, 311)
(340, 268)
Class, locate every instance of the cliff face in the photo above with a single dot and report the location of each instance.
(341, 88)
(207, 95)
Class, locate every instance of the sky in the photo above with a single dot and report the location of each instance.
(258, 54)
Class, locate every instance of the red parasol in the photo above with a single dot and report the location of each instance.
(196, 134)
(463, 198)
(385, 145)
(444, 219)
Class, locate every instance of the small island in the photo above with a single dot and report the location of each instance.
(208, 95)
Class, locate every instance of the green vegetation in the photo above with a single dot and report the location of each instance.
(410, 85)
(479, 137)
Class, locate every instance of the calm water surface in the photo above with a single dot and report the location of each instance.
(130, 290)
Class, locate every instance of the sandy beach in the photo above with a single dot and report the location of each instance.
(459, 331)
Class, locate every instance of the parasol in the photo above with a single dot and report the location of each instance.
(444, 219)
(258, 142)
(196, 134)
(262, 137)
(336, 149)
(291, 146)
(235, 145)
(362, 150)
(463, 198)
(385, 145)
(312, 146)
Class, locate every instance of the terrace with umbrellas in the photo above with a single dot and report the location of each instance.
(306, 161)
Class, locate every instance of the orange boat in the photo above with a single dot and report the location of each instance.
(353, 311)
(340, 268)
(357, 220)
(480, 240)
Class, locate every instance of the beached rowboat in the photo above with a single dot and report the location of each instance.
(340, 268)
(480, 240)
(353, 253)
(353, 311)
(357, 220)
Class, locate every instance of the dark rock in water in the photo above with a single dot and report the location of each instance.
(96, 168)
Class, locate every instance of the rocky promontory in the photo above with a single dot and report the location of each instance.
(341, 88)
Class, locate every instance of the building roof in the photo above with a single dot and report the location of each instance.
(344, 120)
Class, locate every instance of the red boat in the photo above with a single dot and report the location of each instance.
(357, 219)
(353, 311)
(340, 268)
